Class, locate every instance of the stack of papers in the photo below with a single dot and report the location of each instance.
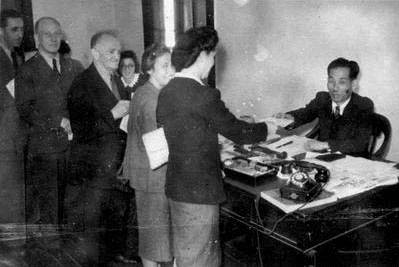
(349, 176)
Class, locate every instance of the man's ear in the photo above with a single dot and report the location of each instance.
(36, 39)
(95, 53)
(2, 36)
(355, 86)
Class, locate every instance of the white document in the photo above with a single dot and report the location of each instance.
(278, 122)
(123, 125)
(293, 145)
(156, 147)
(11, 88)
(349, 176)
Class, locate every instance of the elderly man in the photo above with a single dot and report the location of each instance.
(97, 102)
(12, 129)
(344, 116)
(41, 87)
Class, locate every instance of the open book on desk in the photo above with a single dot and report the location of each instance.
(349, 177)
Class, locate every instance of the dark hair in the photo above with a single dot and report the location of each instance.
(344, 63)
(37, 24)
(64, 48)
(7, 14)
(191, 43)
(150, 54)
(95, 39)
(132, 55)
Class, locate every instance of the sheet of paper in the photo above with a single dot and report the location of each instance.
(277, 122)
(349, 176)
(156, 147)
(11, 88)
(293, 145)
(123, 125)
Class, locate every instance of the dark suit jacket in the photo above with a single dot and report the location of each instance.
(99, 144)
(7, 71)
(41, 99)
(12, 129)
(90, 102)
(12, 142)
(352, 130)
(192, 116)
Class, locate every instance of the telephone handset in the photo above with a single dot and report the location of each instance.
(305, 178)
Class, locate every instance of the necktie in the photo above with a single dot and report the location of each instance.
(336, 112)
(14, 59)
(55, 68)
(114, 88)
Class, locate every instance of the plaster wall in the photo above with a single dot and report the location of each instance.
(80, 19)
(273, 54)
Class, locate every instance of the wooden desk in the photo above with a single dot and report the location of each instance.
(314, 230)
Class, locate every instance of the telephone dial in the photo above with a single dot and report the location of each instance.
(304, 180)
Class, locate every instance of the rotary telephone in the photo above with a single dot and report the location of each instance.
(305, 180)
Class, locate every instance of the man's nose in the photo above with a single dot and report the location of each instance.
(335, 88)
(20, 33)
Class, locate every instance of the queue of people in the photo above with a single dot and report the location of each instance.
(65, 128)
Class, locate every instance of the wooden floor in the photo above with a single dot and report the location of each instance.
(242, 251)
(241, 248)
(71, 253)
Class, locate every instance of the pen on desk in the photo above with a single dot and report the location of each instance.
(290, 142)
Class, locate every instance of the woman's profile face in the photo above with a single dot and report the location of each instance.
(162, 72)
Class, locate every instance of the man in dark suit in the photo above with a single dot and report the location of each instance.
(12, 129)
(41, 87)
(344, 116)
(97, 102)
(12, 29)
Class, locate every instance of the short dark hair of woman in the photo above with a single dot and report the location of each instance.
(132, 55)
(344, 63)
(150, 54)
(191, 43)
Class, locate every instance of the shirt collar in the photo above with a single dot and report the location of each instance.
(132, 83)
(342, 105)
(104, 73)
(8, 51)
(49, 60)
(186, 75)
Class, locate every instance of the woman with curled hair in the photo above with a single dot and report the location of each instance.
(152, 205)
(129, 70)
(193, 114)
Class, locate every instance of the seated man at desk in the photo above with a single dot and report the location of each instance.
(344, 116)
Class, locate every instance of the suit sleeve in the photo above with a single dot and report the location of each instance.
(80, 108)
(311, 110)
(146, 122)
(26, 99)
(358, 143)
(227, 124)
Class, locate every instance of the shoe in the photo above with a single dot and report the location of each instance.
(123, 259)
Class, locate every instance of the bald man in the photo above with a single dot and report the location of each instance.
(97, 101)
(41, 87)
